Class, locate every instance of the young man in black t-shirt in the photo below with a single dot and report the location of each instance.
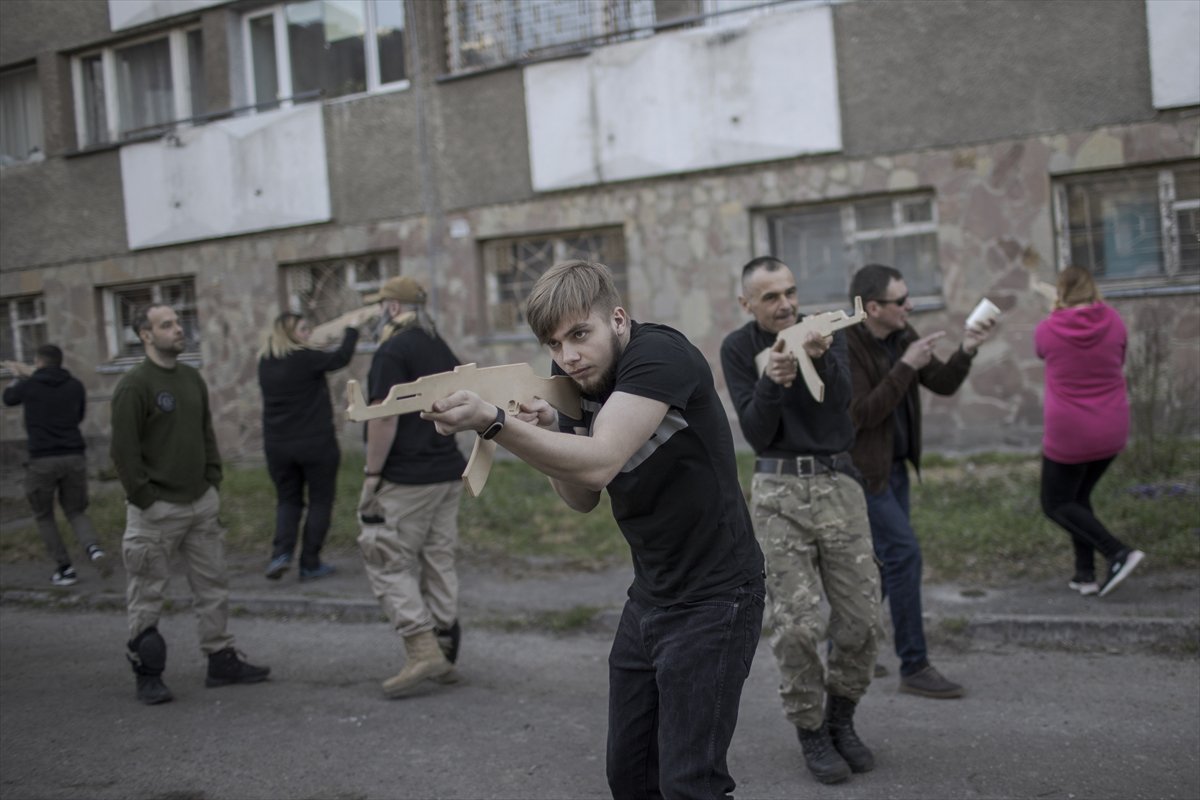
(655, 435)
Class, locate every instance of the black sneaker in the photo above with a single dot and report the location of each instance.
(100, 560)
(225, 667)
(278, 566)
(928, 682)
(65, 576)
(1120, 568)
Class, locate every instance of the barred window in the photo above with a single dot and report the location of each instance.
(825, 244)
(22, 327)
(323, 290)
(1132, 229)
(121, 303)
(511, 266)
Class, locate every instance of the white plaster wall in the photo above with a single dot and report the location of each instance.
(1174, 30)
(131, 13)
(760, 90)
(235, 176)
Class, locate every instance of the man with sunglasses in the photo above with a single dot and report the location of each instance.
(888, 361)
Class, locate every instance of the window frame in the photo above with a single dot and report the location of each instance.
(1171, 279)
(389, 267)
(285, 94)
(16, 323)
(110, 295)
(489, 250)
(34, 128)
(850, 235)
(181, 89)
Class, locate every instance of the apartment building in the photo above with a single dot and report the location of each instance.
(237, 157)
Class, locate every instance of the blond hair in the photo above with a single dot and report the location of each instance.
(1076, 287)
(280, 340)
(567, 289)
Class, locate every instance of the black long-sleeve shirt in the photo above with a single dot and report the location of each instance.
(296, 403)
(779, 422)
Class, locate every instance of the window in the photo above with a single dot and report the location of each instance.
(324, 290)
(334, 47)
(20, 116)
(825, 244)
(511, 266)
(490, 33)
(142, 88)
(1133, 228)
(121, 303)
(22, 327)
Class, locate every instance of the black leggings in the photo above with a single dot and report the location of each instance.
(1066, 499)
(292, 465)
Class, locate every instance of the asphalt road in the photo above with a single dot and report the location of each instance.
(528, 721)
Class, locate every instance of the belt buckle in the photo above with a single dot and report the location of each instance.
(811, 463)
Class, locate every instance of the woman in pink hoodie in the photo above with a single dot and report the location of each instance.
(1085, 423)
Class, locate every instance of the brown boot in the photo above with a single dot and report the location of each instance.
(425, 661)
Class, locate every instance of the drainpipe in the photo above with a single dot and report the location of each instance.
(431, 204)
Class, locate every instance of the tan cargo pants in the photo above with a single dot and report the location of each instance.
(817, 540)
(153, 536)
(409, 558)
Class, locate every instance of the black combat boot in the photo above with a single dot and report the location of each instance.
(448, 639)
(224, 668)
(148, 657)
(822, 758)
(839, 717)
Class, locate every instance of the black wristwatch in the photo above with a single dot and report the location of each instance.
(496, 426)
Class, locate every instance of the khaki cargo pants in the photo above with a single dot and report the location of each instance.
(153, 537)
(409, 558)
(816, 538)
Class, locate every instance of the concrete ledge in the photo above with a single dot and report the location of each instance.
(1077, 633)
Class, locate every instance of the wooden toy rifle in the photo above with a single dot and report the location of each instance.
(825, 324)
(506, 386)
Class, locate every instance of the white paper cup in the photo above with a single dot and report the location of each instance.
(983, 313)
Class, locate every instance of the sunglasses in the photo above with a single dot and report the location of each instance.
(899, 301)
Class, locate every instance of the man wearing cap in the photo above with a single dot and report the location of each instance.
(409, 503)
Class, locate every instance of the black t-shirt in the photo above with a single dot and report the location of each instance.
(677, 500)
(419, 455)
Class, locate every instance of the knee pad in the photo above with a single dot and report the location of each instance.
(148, 652)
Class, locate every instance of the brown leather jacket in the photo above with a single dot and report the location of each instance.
(878, 387)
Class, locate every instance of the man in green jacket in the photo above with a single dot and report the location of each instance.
(166, 456)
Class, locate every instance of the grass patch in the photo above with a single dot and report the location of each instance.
(978, 517)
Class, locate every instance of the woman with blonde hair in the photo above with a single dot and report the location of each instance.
(1085, 423)
(299, 439)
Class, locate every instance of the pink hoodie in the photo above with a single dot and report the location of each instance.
(1086, 415)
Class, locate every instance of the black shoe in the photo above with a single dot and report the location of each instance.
(839, 716)
(152, 691)
(225, 667)
(278, 566)
(319, 571)
(100, 560)
(448, 640)
(824, 761)
(64, 576)
(928, 682)
(1120, 568)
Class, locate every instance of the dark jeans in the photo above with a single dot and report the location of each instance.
(65, 476)
(1067, 500)
(896, 546)
(675, 678)
(291, 466)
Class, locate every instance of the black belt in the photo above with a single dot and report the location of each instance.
(805, 465)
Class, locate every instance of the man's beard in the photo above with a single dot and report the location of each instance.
(603, 384)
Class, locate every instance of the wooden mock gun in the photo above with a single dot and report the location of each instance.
(825, 324)
(506, 386)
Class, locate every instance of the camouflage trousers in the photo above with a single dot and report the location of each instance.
(817, 540)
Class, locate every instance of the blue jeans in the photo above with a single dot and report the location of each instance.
(675, 678)
(897, 548)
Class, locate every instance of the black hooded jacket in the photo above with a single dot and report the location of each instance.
(55, 403)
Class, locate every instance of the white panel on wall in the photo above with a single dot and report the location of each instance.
(235, 176)
(1174, 30)
(707, 97)
(131, 13)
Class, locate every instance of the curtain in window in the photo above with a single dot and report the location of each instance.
(144, 90)
(20, 114)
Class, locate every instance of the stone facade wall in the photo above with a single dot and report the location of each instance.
(686, 239)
